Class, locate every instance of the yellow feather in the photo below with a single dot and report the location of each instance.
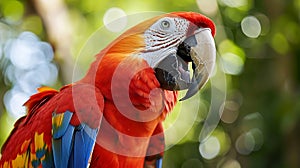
(19, 161)
(45, 88)
(25, 145)
(6, 164)
(57, 120)
(39, 141)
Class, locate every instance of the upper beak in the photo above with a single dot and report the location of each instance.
(203, 57)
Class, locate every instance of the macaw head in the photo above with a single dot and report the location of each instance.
(176, 40)
(169, 43)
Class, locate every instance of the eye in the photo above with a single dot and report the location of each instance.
(165, 24)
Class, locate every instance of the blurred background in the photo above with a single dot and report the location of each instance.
(257, 77)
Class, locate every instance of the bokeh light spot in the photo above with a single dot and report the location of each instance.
(232, 63)
(234, 3)
(24, 55)
(228, 46)
(258, 137)
(245, 143)
(14, 100)
(280, 44)
(252, 120)
(210, 148)
(115, 19)
(28, 36)
(13, 10)
(251, 26)
(208, 7)
(29, 66)
(265, 23)
(231, 163)
(231, 112)
(47, 51)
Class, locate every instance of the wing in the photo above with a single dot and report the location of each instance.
(58, 131)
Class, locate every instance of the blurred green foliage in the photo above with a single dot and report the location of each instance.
(260, 124)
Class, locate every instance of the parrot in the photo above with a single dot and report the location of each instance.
(112, 117)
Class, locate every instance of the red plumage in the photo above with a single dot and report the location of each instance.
(121, 125)
(120, 95)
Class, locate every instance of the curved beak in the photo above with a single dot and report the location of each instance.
(173, 73)
(203, 57)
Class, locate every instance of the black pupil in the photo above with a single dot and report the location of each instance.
(165, 24)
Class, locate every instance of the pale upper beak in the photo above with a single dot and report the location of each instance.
(203, 56)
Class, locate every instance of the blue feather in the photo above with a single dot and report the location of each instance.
(67, 143)
(62, 148)
(79, 149)
(35, 163)
(90, 136)
(84, 140)
(40, 153)
(158, 163)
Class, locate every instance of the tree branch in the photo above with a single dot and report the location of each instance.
(55, 16)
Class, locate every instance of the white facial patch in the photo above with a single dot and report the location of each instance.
(163, 38)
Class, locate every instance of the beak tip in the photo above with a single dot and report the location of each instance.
(184, 98)
(192, 90)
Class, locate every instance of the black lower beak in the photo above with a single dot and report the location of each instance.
(172, 73)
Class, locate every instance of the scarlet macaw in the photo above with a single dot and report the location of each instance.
(120, 103)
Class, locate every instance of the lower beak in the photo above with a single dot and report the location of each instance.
(203, 57)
